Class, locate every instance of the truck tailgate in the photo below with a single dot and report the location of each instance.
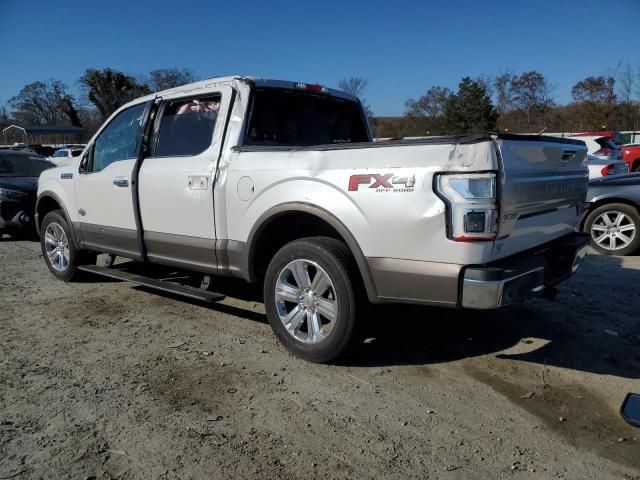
(543, 187)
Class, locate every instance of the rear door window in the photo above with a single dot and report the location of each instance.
(186, 127)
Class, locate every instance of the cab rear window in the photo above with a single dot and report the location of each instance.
(282, 117)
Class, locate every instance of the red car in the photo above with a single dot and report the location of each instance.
(631, 155)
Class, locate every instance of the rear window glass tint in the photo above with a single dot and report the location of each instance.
(291, 118)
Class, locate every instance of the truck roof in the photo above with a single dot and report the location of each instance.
(256, 81)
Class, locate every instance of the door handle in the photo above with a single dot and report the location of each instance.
(121, 181)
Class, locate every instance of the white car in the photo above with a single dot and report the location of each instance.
(600, 146)
(280, 183)
(602, 167)
(62, 156)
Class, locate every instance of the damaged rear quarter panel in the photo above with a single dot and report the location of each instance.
(404, 221)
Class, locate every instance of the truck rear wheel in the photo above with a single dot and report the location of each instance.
(58, 249)
(310, 299)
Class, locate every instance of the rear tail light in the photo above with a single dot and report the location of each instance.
(608, 170)
(472, 208)
(603, 152)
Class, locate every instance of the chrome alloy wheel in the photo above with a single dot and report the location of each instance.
(57, 247)
(306, 301)
(613, 230)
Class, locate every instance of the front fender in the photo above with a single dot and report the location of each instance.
(57, 184)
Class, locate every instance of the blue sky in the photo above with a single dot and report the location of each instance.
(401, 47)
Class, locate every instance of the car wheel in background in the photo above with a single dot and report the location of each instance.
(310, 298)
(614, 229)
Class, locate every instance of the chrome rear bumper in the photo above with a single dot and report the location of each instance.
(514, 279)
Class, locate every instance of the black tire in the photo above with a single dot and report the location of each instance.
(632, 216)
(68, 271)
(335, 261)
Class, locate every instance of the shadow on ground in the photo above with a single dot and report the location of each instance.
(585, 330)
(593, 326)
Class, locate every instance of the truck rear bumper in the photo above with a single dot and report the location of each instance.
(516, 278)
(509, 280)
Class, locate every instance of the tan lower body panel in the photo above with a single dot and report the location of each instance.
(414, 281)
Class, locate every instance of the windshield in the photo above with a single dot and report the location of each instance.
(21, 165)
(291, 118)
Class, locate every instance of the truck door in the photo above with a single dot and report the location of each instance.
(104, 185)
(176, 179)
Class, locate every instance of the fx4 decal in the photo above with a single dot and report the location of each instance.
(66, 176)
(382, 182)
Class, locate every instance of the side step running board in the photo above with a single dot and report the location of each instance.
(162, 285)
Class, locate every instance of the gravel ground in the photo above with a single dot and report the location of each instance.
(103, 380)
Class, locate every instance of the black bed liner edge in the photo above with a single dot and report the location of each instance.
(443, 140)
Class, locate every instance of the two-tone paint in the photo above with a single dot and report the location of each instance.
(206, 212)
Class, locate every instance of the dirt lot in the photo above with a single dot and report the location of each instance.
(100, 379)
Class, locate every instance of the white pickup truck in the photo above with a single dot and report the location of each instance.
(281, 183)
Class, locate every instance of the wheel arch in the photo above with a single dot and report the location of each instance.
(311, 220)
(47, 202)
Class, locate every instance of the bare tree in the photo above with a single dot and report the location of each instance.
(165, 78)
(353, 85)
(43, 102)
(487, 83)
(4, 116)
(626, 80)
(502, 85)
(531, 93)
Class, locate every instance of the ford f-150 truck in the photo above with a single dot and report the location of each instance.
(281, 183)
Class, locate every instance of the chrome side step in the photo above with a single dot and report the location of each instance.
(162, 285)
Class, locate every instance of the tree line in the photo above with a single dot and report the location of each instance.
(522, 102)
(102, 92)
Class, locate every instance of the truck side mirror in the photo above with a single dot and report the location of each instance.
(630, 409)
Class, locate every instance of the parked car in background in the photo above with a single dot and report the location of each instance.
(613, 218)
(19, 172)
(601, 146)
(42, 150)
(64, 154)
(601, 167)
(615, 137)
(631, 155)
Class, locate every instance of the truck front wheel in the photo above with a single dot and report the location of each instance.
(57, 246)
(310, 299)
